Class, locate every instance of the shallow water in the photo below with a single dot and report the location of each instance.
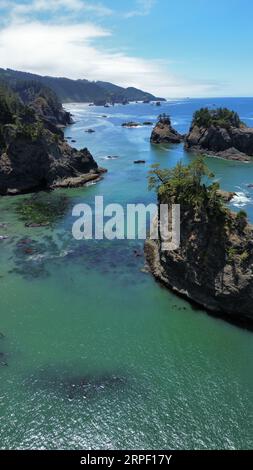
(95, 353)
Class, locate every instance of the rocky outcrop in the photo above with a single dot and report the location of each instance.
(42, 162)
(214, 264)
(42, 100)
(33, 152)
(202, 271)
(54, 114)
(231, 140)
(131, 124)
(163, 133)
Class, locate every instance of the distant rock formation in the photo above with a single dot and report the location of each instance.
(130, 124)
(220, 133)
(163, 133)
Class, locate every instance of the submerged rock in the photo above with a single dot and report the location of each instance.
(139, 161)
(86, 386)
(163, 133)
(130, 124)
(41, 210)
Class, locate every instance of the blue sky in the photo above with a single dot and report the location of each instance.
(174, 48)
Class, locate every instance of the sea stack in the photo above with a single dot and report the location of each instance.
(220, 133)
(164, 133)
(213, 265)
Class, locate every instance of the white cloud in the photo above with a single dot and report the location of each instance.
(18, 11)
(60, 45)
(143, 8)
(71, 51)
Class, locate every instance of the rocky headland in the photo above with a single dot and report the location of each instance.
(214, 264)
(33, 152)
(164, 133)
(220, 133)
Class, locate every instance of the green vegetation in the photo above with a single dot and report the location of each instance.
(241, 215)
(75, 90)
(9, 105)
(9, 108)
(231, 254)
(22, 117)
(221, 117)
(189, 185)
(31, 131)
(244, 256)
(241, 219)
(164, 119)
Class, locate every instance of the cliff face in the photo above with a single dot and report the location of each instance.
(49, 112)
(233, 144)
(220, 133)
(33, 153)
(211, 268)
(42, 162)
(213, 265)
(42, 100)
(163, 132)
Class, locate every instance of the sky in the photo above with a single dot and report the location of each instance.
(172, 48)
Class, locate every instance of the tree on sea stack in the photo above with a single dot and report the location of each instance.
(186, 184)
(164, 119)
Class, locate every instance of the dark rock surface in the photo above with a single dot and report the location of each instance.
(33, 152)
(212, 267)
(211, 263)
(163, 133)
(130, 124)
(230, 142)
(44, 162)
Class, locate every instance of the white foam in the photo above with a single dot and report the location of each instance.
(108, 158)
(240, 200)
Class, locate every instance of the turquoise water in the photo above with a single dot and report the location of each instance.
(98, 354)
